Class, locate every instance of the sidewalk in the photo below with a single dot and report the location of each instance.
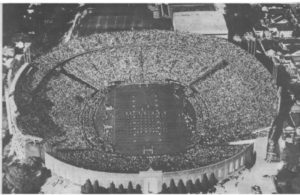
(261, 174)
(59, 185)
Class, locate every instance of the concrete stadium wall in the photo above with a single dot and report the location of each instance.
(221, 169)
(79, 175)
(150, 181)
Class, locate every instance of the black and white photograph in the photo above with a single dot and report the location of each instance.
(150, 98)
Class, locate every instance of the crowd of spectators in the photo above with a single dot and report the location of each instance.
(195, 157)
(234, 100)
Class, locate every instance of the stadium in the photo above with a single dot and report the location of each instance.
(97, 101)
(148, 107)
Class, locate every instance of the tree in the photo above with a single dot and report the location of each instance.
(112, 188)
(121, 189)
(130, 188)
(87, 188)
(198, 186)
(250, 160)
(7, 188)
(35, 162)
(25, 178)
(138, 189)
(172, 187)
(253, 159)
(103, 190)
(212, 180)
(96, 187)
(212, 190)
(190, 187)
(180, 187)
(205, 183)
(164, 189)
(83, 189)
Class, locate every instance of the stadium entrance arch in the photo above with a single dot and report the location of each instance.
(152, 181)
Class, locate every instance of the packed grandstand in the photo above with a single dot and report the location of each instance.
(64, 102)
